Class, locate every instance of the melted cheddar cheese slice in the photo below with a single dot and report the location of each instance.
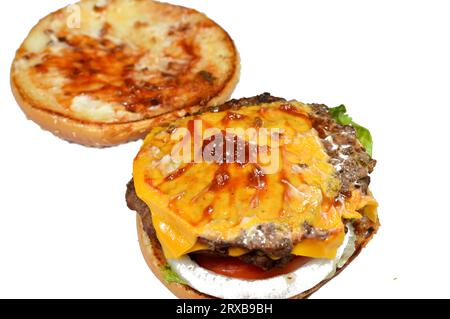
(288, 186)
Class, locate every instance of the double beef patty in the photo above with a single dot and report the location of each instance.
(352, 163)
(255, 257)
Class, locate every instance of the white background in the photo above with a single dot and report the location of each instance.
(65, 230)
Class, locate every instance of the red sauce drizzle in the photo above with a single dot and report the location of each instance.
(221, 179)
(257, 179)
(105, 70)
(241, 151)
(239, 155)
(231, 116)
(178, 173)
(292, 110)
(149, 181)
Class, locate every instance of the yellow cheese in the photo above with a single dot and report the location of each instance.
(237, 251)
(176, 236)
(224, 201)
(320, 248)
(197, 247)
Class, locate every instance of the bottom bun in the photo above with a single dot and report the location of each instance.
(153, 254)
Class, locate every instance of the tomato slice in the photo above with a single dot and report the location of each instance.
(235, 268)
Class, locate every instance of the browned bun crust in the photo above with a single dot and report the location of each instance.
(105, 134)
(56, 118)
(153, 255)
(151, 249)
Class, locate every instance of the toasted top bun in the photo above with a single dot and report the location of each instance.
(103, 72)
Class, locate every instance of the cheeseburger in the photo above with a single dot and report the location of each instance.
(257, 198)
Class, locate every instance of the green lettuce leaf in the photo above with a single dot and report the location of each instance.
(171, 276)
(339, 113)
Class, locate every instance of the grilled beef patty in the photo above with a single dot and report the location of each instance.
(352, 163)
(348, 156)
(255, 257)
